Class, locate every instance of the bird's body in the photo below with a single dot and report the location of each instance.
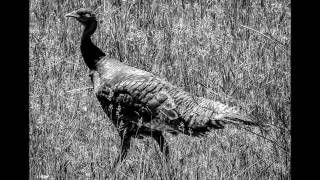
(141, 104)
(158, 102)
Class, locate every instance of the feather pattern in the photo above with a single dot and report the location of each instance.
(160, 103)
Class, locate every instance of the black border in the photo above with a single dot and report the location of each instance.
(15, 89)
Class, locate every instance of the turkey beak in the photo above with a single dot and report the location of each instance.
(72, 14)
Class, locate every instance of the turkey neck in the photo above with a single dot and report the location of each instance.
(90, 52)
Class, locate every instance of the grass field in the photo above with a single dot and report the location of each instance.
(236, 52)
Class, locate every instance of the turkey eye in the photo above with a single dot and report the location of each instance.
(87, 15)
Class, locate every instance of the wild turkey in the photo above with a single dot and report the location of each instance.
(140, 104)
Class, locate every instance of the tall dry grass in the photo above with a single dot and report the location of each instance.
(236, 52)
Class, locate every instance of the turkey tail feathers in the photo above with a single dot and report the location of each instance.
(236, 119)
(215, 115)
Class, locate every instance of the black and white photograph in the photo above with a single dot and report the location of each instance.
(160, 89)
